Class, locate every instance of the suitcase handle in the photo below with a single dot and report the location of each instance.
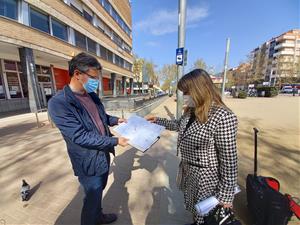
(255, 150)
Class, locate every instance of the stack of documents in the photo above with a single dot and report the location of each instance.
(205, 206)
(141, 133)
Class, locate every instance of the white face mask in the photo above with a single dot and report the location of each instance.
(188, 101)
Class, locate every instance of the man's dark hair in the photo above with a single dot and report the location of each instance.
(83, 62)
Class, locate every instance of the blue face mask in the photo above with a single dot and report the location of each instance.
(91, 85)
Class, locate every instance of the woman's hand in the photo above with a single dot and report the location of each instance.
(226, 205)
(151, 119)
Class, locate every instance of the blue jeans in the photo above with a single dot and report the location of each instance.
(92, 203)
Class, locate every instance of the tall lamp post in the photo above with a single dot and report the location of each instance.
(225, 66)
(181, 43)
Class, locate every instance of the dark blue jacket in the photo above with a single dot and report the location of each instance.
(87, 148)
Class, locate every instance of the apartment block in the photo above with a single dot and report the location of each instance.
(39, 37)
(277, 57)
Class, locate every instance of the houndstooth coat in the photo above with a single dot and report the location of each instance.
(208, 157)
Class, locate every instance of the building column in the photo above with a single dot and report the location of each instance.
(131, 86)
(100, 90)
(29, 71)
(53, 83)
(114, 84)
(124, 86)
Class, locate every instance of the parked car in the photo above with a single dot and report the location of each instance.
(287, 89)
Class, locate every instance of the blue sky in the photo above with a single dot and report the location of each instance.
(248, 23)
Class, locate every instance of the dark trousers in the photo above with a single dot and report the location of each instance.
(92, 203)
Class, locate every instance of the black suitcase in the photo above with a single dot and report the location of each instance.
(266, 205)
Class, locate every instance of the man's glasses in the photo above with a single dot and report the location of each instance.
(90, 76)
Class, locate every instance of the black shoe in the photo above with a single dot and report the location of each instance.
(108, 218)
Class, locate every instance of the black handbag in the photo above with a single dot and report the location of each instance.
(221, 216)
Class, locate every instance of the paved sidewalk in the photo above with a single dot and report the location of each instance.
(141, 187)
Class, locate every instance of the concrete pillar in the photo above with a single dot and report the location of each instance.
(131, 86)
(29, 71)
(53, 83)
(100, 86)
(114, 84)
(124, 86)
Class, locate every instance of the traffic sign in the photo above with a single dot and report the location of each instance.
(179, 56)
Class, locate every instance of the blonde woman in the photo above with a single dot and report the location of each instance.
(207, 143)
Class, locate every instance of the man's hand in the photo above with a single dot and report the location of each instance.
(123, 141)
(121, 120)
(151, 119)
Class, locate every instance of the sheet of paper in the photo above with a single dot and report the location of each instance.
(141, 133)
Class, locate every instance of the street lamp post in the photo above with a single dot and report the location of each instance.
(225, 65)
(181, 42)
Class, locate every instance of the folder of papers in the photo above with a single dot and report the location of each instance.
(141, 133)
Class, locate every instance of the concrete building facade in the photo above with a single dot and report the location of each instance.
(277, 57)
(39, 37)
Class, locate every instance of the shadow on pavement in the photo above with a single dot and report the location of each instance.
(133, 207)
(16, 129)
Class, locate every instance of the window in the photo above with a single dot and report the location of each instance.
(107, 31)
(45, 70)
(103, 52)
(80, 40)
(99, 24)
(59, 30)
(109, 56)
(121, 62)
(114, 14)
(126, 48)
(101, 2)
(10, 65)
(92, 46)
(75, 4)
(117, 60)
(44, 79)
(127, 65)
(39, 21)
(121, 23)
(107, 6)
(9, 8)
(111, 11)
(87, 16)
(43, 73)
(13, 85)
(16, 83)
(117, 39)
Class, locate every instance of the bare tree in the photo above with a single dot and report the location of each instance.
(168, 74)
(200, 64)
(138, 64)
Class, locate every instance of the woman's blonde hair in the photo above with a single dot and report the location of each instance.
(200, 87)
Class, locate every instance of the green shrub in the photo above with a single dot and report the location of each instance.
(269, 91)
(242, 94)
